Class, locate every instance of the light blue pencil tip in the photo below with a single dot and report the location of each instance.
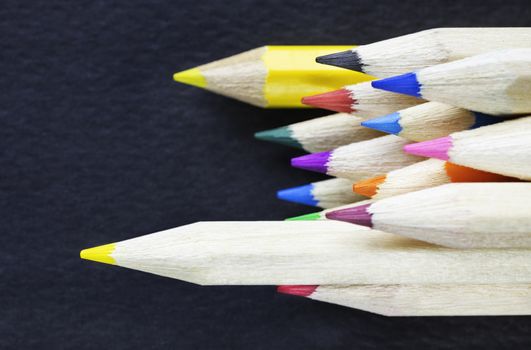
(300, 194)
(388, 123)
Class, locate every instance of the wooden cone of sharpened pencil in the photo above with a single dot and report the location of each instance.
(271, 76)
(308, 252)
(458, 215)
(426, 48)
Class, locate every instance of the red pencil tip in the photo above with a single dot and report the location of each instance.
(303, 291)
(338, 101)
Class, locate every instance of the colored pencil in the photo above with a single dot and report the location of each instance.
(360, 159)
(321, 215)
(503, 148)
(429, 121)
(271, 76)
(426, 48)
(325, 194)
(421, 175)
(307, 252)
(361, 99)
(320, 134)
(458, 215)
(497, 83)
(424, 299)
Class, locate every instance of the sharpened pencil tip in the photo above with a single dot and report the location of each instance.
(306, 217)
(102, 254)
(337, 101)
(357, 215)
(303, 291)
(313, 162)
(436, 148)
(300, 194)
(406, 84)
(345, 59)
(192, 77)
(388, 123)
(368, 187)
(282, 135)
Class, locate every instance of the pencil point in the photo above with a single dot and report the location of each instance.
(281, 135)
(102, 254)
(406, 84)
(191, 77)
(369, 187)
(436, 148)
(300, 194)
(302, 291)
(345, 59)
(313, 162)
(306, 217)
(388, 123)
(337, 101)
(357, 215)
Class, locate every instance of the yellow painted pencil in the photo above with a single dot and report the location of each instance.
(272, 76)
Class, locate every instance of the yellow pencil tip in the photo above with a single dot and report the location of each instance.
(100, 254)
(191, 77)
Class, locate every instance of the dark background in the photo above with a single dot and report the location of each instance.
(99, 145)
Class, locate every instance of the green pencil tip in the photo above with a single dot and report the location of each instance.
(282, 135)
(306, 217)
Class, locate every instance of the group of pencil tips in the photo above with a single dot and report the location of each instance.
(428, 209)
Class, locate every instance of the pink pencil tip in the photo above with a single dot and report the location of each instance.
(303, 291)
(357, 215)
(338, 101)
(436, 148)
(312, 162)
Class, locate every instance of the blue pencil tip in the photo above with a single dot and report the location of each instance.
(388, 123)
(403, 84)
(300, 194)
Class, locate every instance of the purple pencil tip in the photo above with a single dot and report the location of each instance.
(436, 148)
(313, 162)
(357, 215)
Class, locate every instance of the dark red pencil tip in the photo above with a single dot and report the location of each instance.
(303, 291)
(357, 215)
(338, 101)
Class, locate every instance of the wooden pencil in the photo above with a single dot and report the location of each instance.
(321, 215)
(503, 148)
(421, 175)
(320, 134)
(271, 76)
(423, 299)
(307, 252)
(457, 215)
(497, 83)
(426, 48)
(361, 99)
(429, 120)
(360, 159)
(325, 194)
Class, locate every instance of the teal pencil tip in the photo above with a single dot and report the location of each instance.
(282, 135)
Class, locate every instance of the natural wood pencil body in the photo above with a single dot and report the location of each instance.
(435, 46)
(369, 158)
(334, 193)
(307, 252)
(431, 299)
(503, 148)
(460, 215)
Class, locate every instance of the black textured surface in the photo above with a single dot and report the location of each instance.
(98, 145)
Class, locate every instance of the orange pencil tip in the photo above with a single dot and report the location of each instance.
(368, 187)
